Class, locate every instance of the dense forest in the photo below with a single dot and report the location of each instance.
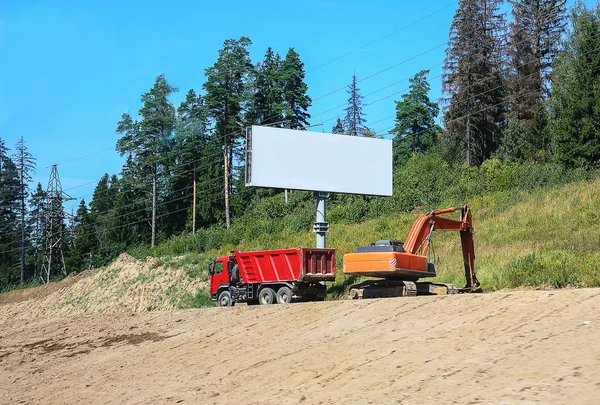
(519, 109)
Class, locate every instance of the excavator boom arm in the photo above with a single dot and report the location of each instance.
(419, 237)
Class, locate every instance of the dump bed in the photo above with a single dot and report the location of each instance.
(299, 265)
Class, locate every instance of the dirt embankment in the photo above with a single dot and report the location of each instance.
(127, 285)
(520, 347)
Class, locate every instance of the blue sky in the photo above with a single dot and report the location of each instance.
(70, 68)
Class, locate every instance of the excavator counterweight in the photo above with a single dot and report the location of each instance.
(399, 265)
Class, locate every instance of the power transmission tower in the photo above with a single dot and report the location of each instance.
(54, 260)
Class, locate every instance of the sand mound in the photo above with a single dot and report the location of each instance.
(127, 285)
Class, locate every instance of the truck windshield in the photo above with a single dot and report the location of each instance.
(218, 268)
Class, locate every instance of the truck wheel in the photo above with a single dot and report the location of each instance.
(225, 299)
(266, 296)
(284, 295)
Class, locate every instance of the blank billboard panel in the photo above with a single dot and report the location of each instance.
(304, 160)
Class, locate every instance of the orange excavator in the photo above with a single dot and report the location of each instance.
(397, 266)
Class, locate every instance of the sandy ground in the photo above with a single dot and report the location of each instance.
(519, 347)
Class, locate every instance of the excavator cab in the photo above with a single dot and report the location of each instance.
(385, 245)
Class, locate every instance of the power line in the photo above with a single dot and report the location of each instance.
(138, 183)
(80, 157)
(441, 98)
(142, 220)
(384, 70)
(383, 37)
(508, 100)
(509, 97)
(162, 202)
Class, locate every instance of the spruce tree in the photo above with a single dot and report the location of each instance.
(84, 238)
(415, 130)
(534, 41)
(130, 207)
(268, 104)
(101, 203)
(25, 164)
(9, 207)
(101, 208)
(473, 79)
(296, 99)
(574, 102)
(354, 121)
(338, 128)
(226, 97)
(37, 224)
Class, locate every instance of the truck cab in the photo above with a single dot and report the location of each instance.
(219, 281)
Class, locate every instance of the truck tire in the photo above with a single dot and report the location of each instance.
(266, 296)
(284, 295)
(225, 299)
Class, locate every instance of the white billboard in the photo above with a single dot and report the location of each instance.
(304, 160)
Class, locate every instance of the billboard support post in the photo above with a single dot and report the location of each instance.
(321, 227)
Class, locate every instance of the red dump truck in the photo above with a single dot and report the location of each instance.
(271, 276)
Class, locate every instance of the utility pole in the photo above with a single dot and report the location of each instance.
(54, 260)
(194, 204)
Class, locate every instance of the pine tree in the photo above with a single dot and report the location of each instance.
(354, 121)
(188, 165)
(268, 103)
(296, 99)
(146, 140)
(415, 130)
(574, 102)
(474, 79)
(226, 96)
(25, 164)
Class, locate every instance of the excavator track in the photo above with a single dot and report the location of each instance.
(397, 288)
(382, 289)
(436, 289)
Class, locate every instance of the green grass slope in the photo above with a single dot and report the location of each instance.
(548, 237)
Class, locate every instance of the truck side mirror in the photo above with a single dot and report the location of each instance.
(210, 269)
